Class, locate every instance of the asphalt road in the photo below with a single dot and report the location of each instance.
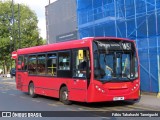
(14, 100)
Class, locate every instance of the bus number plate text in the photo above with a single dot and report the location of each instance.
(118, 98)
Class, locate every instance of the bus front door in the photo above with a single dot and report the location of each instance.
(78, 90)
(79, 82)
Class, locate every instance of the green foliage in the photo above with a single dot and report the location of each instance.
(9, 32)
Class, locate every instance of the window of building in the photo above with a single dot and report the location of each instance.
(32, 64)
(52, 64)
(41, 63)
(64, 60)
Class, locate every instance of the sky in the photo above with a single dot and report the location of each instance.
(39, 7)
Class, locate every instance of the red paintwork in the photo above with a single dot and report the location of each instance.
(78, 90)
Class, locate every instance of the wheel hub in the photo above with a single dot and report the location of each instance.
(65, 95)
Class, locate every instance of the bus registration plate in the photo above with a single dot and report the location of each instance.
(118, 98)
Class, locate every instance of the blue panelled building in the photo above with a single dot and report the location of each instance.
(138, 20)
(135, 19)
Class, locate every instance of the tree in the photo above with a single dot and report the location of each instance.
(9, 31)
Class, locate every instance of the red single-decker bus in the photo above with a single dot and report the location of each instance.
(89, 70)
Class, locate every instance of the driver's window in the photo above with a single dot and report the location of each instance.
(80, 62)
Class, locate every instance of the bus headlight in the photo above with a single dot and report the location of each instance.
(134, 87)
(99, 89)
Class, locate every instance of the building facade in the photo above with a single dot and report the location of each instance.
(135, 19)
(61, 21)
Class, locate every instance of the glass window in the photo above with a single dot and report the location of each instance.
(126, 63)
(80, 59)
(32, 64)
(109, 58)
(135, 67)
(25, 63)
(20, 62)
(118, 64)
(115, 61)
(52, 64)
(41, 63)
(64, 61)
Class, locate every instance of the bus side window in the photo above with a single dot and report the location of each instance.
(41, 64)
(64, 61)
(25, 63)
(52, 64)
(32, 64)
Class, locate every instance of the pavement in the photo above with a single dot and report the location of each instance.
(147, 99)
(150, 100)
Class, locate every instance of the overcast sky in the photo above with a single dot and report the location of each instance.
(39, 7)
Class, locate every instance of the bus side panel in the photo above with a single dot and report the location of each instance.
(78, 90)
(48, 86)
(22, 81)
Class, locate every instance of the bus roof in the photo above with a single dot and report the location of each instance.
(85, 42)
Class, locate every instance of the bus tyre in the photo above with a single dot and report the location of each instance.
(31, 90)
(64, 96)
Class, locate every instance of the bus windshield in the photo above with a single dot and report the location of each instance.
(115, 61)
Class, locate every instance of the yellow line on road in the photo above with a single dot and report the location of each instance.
(89, 108)
(140, 107)
(9, 83)
(23, 97)
(92, 109)
(86, 108)
(103, 110)
(124, 108)
(70, 109)
(81, 109)
(36, 100)
(118, 108)
(59, 103)
(104, 118)
(113, 109)
(52, 105)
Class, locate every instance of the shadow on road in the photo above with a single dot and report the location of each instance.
(90, 105)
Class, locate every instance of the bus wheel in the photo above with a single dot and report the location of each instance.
(31, 90)
(64, 96)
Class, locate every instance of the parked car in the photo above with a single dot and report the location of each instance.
(13, 72)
